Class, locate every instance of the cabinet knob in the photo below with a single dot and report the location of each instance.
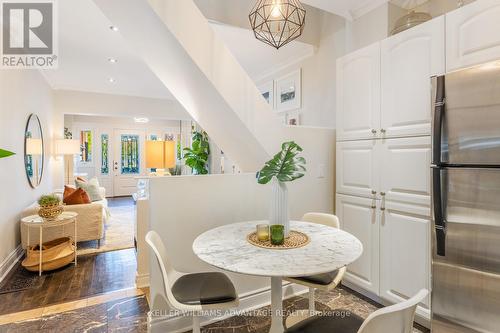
(374, 131)
(382, 131)
(382, 193)
(382, 208)
(374, 207)
(374, 192)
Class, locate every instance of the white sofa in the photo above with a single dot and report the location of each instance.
(90, 222)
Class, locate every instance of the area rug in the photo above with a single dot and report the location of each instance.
(118, 232)
(21, 279)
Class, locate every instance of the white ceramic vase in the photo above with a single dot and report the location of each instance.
(279, 205)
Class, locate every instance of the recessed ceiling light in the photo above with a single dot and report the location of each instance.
(113, 60)
(114, 28)
(141, 120)
(111, 80)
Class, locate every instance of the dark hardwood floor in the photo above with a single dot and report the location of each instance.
(124, 315)
(95, 274)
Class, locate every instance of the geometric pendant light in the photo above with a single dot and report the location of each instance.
(277, 22)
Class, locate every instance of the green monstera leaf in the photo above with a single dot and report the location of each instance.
(5, 153)
(286, 166)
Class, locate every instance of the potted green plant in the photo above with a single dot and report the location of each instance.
(286, 166)
(50, 206)
(197, 156)
(5, 153)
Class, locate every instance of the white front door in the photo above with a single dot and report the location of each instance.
(128, 160)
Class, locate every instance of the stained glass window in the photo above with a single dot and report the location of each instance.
(104, 154)
(86, 146)
(130, 154)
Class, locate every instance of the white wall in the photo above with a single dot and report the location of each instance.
(95, 104)
(318, 73)
(367, 29)
(224, 199)
(22, 92)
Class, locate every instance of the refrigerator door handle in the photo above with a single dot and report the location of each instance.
(437, 124)
(439, 221)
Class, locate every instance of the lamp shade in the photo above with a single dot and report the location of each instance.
(67, 147)
(169, 154)
(155, 157)
(34, 146)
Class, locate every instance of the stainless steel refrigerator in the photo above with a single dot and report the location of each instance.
(466, 201)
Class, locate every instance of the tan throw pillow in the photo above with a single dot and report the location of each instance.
(91, 187)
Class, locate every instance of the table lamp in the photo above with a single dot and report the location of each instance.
(160, 155)
(67, 147)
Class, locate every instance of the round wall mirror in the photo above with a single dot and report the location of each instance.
(33, 151)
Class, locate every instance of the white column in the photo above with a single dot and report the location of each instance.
(276, 306)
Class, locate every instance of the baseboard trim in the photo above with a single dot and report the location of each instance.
(248, 302)
(9, 262)
(142, 280)
(422, 316)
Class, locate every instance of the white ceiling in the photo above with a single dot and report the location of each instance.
(257, 58)
(85, 44)
(352, 9)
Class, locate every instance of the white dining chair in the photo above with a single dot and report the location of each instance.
(192, 293)
(326, 281)
(396, 318)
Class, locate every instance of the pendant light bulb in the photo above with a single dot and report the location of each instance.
(276, 11)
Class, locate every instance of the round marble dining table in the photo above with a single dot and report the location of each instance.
(227, 248)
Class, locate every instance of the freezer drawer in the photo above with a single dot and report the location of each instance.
(466, 250)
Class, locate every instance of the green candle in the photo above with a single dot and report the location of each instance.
(277, 234)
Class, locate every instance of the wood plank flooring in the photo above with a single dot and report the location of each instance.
(95, 274)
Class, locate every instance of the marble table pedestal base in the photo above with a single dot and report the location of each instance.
(276, 305)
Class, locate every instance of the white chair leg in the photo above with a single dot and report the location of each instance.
(196, 323)
(312, 308)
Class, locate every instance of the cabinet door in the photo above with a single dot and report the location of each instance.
(472, 34)
(409, 59)
(359, 218)
(357, 168)
(358, 94)
(404, 252)
(405, 170)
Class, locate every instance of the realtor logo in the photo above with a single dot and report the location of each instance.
(28, 34)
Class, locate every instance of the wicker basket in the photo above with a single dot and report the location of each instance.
(56, 254)
(50, 212)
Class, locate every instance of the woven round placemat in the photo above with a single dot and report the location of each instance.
(295, 240)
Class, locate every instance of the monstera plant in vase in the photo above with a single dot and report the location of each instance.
(286, 166)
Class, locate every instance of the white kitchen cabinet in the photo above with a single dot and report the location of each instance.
(404, 165)
(359, 217)
(358, 94)
(472, 34)
(357, 168)
(404, 252)
(409, 59)
(397, 169)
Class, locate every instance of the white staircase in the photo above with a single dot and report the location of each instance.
(178, 44)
